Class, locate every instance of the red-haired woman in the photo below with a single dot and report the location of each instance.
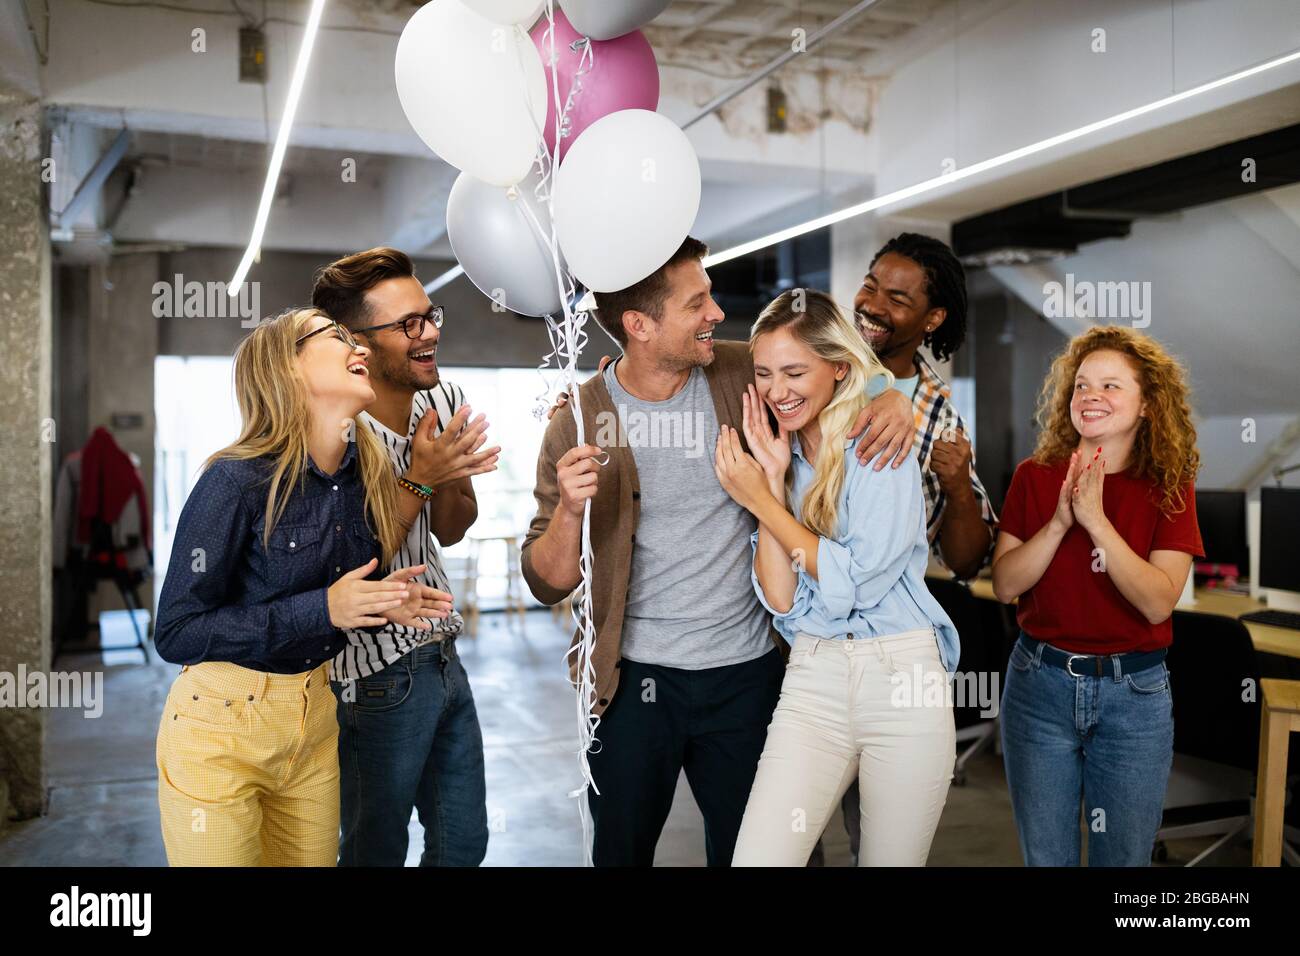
(1097, 538)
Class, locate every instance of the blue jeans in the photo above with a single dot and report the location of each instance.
(409, 737)
(1108, 741)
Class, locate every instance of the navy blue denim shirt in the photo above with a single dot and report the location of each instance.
(226, 597)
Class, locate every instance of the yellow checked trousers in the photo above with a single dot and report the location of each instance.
(248, 768)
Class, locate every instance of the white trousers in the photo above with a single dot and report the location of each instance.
(877, 708)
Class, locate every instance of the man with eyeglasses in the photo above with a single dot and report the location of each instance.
(409, 734)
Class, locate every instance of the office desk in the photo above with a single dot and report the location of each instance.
(1282, 641)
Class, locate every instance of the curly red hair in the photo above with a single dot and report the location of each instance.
(1164, 450)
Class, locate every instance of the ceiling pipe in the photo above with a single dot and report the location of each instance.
(721, 99)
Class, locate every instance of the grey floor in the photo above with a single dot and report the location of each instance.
(103, 785)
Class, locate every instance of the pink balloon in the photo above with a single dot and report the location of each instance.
(623, 76)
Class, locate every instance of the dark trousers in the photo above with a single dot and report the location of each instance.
(711, 723)
(409, 737)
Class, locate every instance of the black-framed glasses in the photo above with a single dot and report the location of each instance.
(413, 325)
(340, 332)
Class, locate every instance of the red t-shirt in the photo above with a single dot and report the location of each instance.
(1072, 606)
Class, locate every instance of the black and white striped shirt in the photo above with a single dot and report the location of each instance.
(371, 651)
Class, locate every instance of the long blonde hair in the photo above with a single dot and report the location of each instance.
(815, 320)
(1164, 449)
(276, 420)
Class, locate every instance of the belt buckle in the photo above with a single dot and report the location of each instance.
(1069, 665)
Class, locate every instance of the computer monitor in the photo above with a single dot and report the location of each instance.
(1279, 546)
(1221, 516)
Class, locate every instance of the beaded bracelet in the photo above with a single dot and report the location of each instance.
(422, 491)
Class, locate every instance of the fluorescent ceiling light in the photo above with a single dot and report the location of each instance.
(451, 274)
(930, 184)
(281, 144)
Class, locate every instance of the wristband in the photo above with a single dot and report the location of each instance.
(420, 491)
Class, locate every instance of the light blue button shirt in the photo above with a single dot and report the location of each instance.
(871, 576)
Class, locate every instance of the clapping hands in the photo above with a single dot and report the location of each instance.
(1080, 497)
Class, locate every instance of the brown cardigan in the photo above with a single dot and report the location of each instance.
(616, 507)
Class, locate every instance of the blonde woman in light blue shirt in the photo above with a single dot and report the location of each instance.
(839, 560)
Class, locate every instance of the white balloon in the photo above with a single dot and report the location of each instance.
(474, 90)
(522, 12)
(625, 197)
(498, 247)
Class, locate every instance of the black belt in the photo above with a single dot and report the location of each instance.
(1094, 665)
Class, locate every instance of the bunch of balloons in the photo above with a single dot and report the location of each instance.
(619, 194)
(568, 175)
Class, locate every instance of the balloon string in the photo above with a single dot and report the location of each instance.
(541, 189)
(570, 339)
(585, 60)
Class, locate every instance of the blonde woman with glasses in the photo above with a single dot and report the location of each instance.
(839, 560)
(275, 553)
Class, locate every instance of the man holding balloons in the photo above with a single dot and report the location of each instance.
(570, 178)
(687, 667)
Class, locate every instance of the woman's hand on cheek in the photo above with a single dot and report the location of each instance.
(738, 473)
(772, 452)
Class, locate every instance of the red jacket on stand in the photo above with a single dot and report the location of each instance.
(108, 481)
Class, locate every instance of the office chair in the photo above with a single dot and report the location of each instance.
(978, 659)
(1212, 666)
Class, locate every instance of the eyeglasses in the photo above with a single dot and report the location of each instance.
(412, 325)
(340, 332)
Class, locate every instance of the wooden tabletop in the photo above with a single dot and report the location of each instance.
(1282, 695)
(1267, 639)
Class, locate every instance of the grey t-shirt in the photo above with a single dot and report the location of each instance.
(690, 603)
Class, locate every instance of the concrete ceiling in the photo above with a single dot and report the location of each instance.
(726, 36)
(199, 137)
(748, 33)
(192, 172)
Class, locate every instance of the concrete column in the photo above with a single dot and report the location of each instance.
(28, 438)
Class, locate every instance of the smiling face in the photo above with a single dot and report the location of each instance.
(332, 370)
(408, 364)
(793, 381)
(891, 309)
(1107, 397)
(682, 338)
